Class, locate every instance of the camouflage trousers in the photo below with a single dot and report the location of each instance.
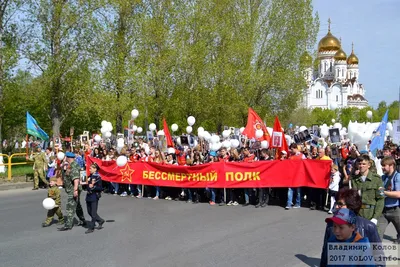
(39, 173)
(73, 206)
(52, 212)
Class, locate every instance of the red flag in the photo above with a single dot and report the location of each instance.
(167, 134)
(278, 137)
(255, 123)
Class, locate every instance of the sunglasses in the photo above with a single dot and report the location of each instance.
(340, 204)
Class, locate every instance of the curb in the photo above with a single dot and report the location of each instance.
(10, 186)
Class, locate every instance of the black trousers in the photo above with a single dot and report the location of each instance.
(263, 195)
(317, 196)
(92, 207)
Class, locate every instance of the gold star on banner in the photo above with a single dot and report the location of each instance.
(127, 173)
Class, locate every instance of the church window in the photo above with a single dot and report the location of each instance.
(326, 66)
(337, 98)
(330, 69)
(342, 72)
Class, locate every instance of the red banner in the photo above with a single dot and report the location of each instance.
(287, 173)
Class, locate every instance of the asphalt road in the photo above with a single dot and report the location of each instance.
(147, 232)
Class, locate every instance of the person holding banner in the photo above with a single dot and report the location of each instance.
(248, 157)
(295, 154)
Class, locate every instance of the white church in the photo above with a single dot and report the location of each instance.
(333, 80)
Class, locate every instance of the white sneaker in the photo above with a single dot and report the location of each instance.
(330, 212)
(230, 203)
(235, 203)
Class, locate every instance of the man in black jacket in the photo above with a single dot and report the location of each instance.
(350, 199)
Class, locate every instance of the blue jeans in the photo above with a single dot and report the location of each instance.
(247, 194)
(116, 187)
(158, 191)
(290, 196)
(212, 190)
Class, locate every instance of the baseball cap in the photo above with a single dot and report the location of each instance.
(343, 216)
(284, 152)
(70, 155)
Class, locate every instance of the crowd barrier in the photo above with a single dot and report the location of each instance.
(287, 173)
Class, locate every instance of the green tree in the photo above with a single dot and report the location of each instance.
(8, 51)
(59, 35)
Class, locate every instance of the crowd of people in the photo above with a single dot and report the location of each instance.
(369, 201)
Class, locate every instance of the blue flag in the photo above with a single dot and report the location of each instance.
(33, 128)
(379, 139)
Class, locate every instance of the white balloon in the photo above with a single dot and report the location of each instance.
(178, 141)
(200, 129)
(389, 126)
(135, 113)
(288, 139)
(103, 130)
(152, 127)
(226, 133)
(189, 129)
(259, 133)
(369, 114)
(302, 128)
(264, 144)
(387, 133)
(60, 155)
(103, 123)
(121, 161)
(139, 129)
(107, 135)
(171, 150)
(160, 133)
(344, 129)
(97, 138)
(337, 125)
(191, 120)
(241, 130)
(333, 120)
(134, 128)
(234, 143)
(207, 136)
(109, 127)
(216, 146)
(324, 133)
(174, 127)
(120, 143)
(226, 144)
(215, 139)
(201, 134)
(48, 203)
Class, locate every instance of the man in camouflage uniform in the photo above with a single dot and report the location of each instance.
(73, 190)
(39, 165)
(367, 183)
(54, 193)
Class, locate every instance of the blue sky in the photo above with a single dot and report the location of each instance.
(374, 28)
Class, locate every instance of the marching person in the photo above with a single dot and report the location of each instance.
(391, 190)
(73, 190)
(55, 194)
(368, 183)
(94, 188)
(39, 166)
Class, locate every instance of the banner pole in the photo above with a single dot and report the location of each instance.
(26, 145)
(225, 195)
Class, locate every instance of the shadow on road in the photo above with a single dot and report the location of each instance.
(312, 262)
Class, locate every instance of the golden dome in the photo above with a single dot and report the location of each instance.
(329, 42)
(340, 55)
(352, 59)
(306, 59)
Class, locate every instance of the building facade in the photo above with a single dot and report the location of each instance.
(332, 81)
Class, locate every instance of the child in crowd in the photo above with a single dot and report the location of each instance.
(54, 193)
(334, 185)
(344, 231)
(51, 167)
